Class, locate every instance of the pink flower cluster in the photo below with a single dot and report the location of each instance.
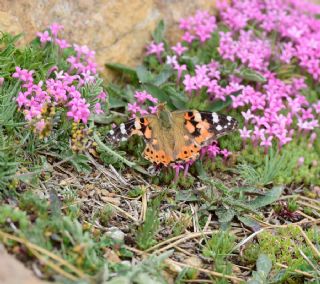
(293, 21)
(45, 36)
(250, 50)
(142, 105)
(63, 89)
(200, 27)
(263, 37)
(278, 110)
(83, 63)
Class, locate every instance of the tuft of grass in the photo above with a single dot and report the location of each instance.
(219, 248)
(145, 236)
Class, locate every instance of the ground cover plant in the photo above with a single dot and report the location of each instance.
(77, 209)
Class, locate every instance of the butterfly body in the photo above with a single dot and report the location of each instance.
(175, 136)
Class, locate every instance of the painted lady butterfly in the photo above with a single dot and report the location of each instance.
(175, 136)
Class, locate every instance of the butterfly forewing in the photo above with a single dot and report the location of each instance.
(207, 126)
(139, 126)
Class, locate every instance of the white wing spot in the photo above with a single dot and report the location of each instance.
(197, 116)
(124, 139)
(226, 126)
(137, 124)
(229, 118)
(219, 127)
(123, 129)
(111, 132)
(215, 117)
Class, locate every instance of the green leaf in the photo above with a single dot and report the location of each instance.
(225, 215)
(270, 197)
(264, 264)
(158, 93)
(254, 281)
(163, 77)
(81, 163)
(143, 278)
(218, 106)
(228, 67)
(120, 280)
(247, 221)
(186, 195)
(251, 75)
(144, 75)
(117, 156)
(179, 100)
(123, 69)
(158, 33)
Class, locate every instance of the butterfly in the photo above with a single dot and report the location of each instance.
(173, 137)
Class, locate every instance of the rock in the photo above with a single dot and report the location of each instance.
(117, 30)
(13, 272)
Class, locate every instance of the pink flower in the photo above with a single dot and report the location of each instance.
(40, 125)
(179, 49)
(1, 81)
(98, 109)
(153, 109)
(55, 28)
(171, 60)
(62, 43)
(225, 153)
(23, 74)
(266, 142)
(189, 83)
(22, 99)
(245, 133)
(141, 96)
(44, 37)
(134, 108)
(156, 48)
(102, 96)
(180, 69)
(177, 167)
(300, 161)
(213, 150)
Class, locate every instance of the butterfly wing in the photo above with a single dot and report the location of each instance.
(138, 126)
(200, 129)
(190, 130)
(158, 141)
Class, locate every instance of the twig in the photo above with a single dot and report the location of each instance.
(313, 248)
(123, 212)
(144, 206)
(53, 266)
(181, 240)
(296, 270)
(247, 239)
(309, 261)
(209, 272)
(309, 205)
(182, 264)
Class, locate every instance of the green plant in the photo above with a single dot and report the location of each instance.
(145, 236)
(218, 248)
(263, 266)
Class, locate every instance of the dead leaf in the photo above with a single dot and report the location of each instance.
(111, 255)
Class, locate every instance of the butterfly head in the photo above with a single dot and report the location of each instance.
(164, 116)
